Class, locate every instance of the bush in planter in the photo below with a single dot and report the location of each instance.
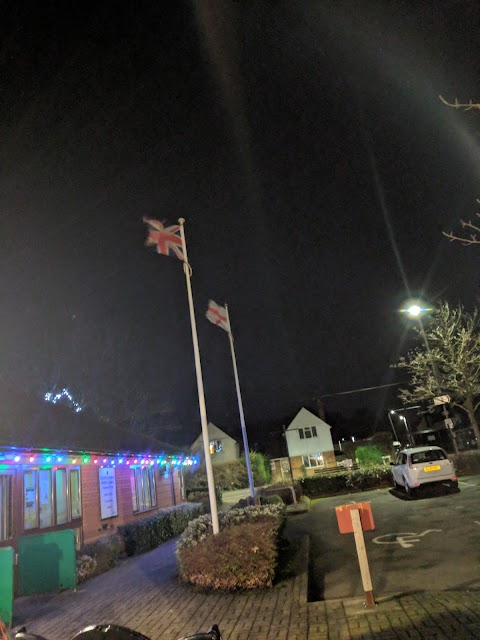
(244, 552)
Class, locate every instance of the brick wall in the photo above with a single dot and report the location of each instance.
(94, 527)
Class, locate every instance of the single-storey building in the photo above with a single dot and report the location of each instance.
(223, 448)
(65, 470)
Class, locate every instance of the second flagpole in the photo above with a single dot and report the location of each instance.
(201, 394)
(240, 410)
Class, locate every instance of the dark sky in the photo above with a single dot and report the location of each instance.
(304, 143)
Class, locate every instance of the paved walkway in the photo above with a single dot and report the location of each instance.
(143, 593)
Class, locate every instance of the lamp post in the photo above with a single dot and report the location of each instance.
(415, 311)
(410, 437)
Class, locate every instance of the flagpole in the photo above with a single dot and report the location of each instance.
(240, 408)
(201, 394)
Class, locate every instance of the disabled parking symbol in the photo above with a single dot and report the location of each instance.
(405, 540)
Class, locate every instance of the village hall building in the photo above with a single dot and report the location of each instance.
(65, 470)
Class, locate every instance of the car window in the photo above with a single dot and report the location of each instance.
(404, 458)
(428, 456)
(398, 459)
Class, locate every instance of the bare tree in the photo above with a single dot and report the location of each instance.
(448, 362)
(471, 228)
(473, 231)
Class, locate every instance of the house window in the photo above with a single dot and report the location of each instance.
(313, 460)
(144, 496)
(5, 506)
(215, 446)
(307, 432)
(46, 501)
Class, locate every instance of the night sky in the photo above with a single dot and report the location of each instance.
(306, 147)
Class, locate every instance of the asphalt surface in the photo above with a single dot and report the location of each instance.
(430, 543)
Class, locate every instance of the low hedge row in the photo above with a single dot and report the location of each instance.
(347, 481)
(243, 555)
(147, 534)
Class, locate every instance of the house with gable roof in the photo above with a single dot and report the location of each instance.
(223, 447)
(310, 448)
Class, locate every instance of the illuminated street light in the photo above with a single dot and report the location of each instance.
(415, 310)
(411, 439)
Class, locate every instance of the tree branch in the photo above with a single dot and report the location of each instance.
(459, 105)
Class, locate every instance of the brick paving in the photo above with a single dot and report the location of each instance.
(143, 593)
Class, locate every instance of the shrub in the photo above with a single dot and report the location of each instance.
(369, 455)
(86, 567)
(261, 469)
(244, 551)
(147, 534)
(231, 475)
(104, 551)
(466, 463)
(201, 495)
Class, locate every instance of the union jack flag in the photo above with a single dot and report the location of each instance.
(167, 240)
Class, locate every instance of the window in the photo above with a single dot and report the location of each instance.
(61, 495)
(215, 446)
(50, 496)
(431, 455)
(307, 432)
(142, 481)
(5, 506)
(313, 460)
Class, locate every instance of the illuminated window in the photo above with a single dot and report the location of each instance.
(61, 495)
(307, 432)
(215, 446)
(50, 496)
(75, 502)
(313, 460)
(144, 496)
(5, 506)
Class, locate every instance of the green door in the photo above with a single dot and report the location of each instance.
(46, 562)
(6, 584)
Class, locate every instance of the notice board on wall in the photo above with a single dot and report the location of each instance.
(108, 493)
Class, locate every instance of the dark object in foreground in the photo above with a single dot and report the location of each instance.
(116, 632)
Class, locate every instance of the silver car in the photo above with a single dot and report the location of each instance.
(422, 465)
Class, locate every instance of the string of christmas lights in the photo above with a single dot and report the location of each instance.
(20, 456)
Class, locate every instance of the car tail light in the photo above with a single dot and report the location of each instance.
(454, 477)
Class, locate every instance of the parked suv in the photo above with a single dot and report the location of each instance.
(422, 465)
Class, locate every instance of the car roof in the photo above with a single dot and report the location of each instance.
(418, 449)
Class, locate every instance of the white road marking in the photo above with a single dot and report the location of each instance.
(405, 540)
(467, 484)
(476, 522)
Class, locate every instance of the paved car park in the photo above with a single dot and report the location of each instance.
(427, 543)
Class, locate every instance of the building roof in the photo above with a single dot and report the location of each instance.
(30, 422)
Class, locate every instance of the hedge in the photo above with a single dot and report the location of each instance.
(148, 533)
(347, 481)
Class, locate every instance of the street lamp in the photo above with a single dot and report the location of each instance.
(410, 437)
(415, 310)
